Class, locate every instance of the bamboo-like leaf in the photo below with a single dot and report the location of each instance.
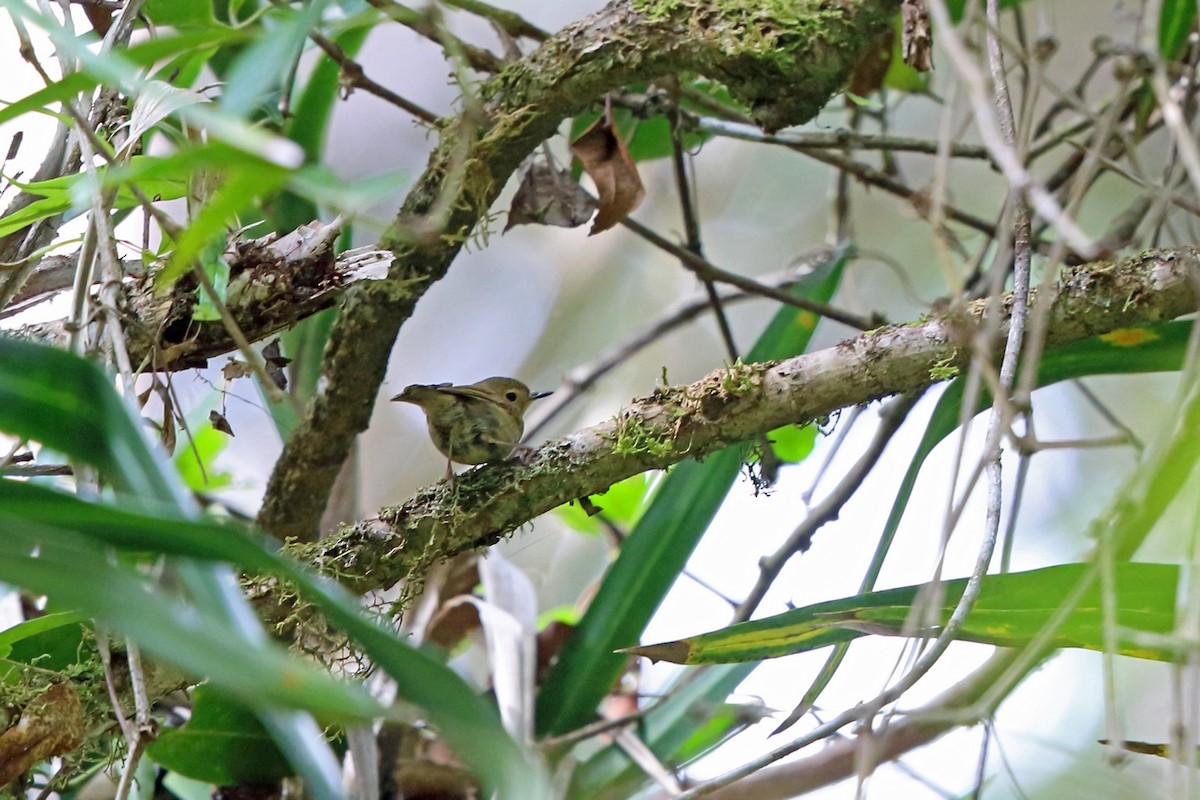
(1012, 609)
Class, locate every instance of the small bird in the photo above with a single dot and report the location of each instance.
(473, 424)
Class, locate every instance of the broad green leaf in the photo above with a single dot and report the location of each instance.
(194, 643)
(36, 627)
(1012, 609)
(1175, 24)
(68, 404)
(180, 12)
(223, 743)
(195, 459)
(622, 504)
(793, 443)
(75, 572)
(656, 551)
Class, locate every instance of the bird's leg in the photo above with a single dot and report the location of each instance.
(523, 453)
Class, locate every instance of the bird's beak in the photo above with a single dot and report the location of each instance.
(539, 395)
(399, 397)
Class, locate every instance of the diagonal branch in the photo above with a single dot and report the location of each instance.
(782, 61)
(731, 406)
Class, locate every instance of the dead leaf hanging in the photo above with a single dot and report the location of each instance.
(917, 39)
(606, 159)
(548, 196)
(275, 363)
(219, 423)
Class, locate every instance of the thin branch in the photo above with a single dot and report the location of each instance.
(355, 76)
(841, 139)
(706, 270)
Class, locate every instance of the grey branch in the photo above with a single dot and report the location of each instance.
(731, 406)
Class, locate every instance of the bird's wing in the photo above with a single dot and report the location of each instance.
(466, 391)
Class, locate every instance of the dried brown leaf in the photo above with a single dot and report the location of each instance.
(219, 423)
(235, 369)
(548, 196)
(607, 161)
(916, 35)
(276, 363)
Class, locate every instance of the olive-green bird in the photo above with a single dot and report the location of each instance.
(474, 424)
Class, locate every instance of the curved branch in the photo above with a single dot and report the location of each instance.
(781, 61)
(730, 406)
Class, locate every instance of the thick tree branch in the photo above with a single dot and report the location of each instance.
(781, 61)
(730, 406)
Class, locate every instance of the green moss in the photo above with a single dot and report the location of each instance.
(945, 369)
(633, 436)
(739, 378)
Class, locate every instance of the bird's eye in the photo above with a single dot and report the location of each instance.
(511, 396)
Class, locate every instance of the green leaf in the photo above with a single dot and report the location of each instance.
(223, 743)
(266, 64)
(212, 261)
(115, 70)
(237, 193)
(179, 13)
(621, 504)
(68, 404)
(1012, 609)
(793, 443)
(37, 627)
(1175, 23)
(196, 460)
(68, 88)
(655, 552)
(258, 673)
(76, 572)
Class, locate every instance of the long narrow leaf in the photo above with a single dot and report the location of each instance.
(1012, 609)
(656, 551)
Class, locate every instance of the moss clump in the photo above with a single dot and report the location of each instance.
(633, 436)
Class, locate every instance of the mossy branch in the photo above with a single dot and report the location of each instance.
(783, 60)
(683, 422)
